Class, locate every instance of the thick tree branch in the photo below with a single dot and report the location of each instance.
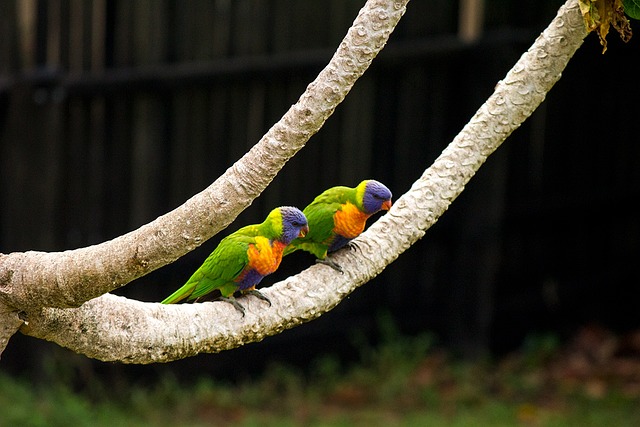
(117, 329)
(37, 279)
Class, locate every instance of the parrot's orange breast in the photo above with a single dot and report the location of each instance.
(265, 257)
(349, 222)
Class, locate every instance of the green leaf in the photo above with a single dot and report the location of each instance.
(632, 8)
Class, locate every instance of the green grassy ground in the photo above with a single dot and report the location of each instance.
(404, 382)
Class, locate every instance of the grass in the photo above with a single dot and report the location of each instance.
(402, 382)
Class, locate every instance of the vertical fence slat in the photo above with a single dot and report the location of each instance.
(149, 113)
(97, 127)
(27, 19)
(77, 170)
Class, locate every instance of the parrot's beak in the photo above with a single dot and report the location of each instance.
(387, 205)
(303, 231)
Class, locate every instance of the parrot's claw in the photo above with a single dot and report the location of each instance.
(354, 246)
(256, 293)
(232, 301)
(330, 264)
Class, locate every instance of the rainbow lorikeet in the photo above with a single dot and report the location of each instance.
(243, 258)
(338, 215)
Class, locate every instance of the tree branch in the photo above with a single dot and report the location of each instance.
(31, 280)
(117, 329)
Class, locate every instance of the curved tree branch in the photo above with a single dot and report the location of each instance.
(32, 280)
(114, 328)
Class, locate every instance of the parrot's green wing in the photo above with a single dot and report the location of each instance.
(320, 218)
(218, 271)
(252, 230)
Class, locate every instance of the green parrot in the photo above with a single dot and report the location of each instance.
(338, 215)
(243, 258)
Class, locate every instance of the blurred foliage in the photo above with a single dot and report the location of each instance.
(591, 380)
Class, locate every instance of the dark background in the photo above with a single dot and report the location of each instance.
(114, 112)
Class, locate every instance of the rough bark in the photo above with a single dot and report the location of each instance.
(113, 328)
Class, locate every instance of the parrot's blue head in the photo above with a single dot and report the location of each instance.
(294, 224)
(376, 196)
